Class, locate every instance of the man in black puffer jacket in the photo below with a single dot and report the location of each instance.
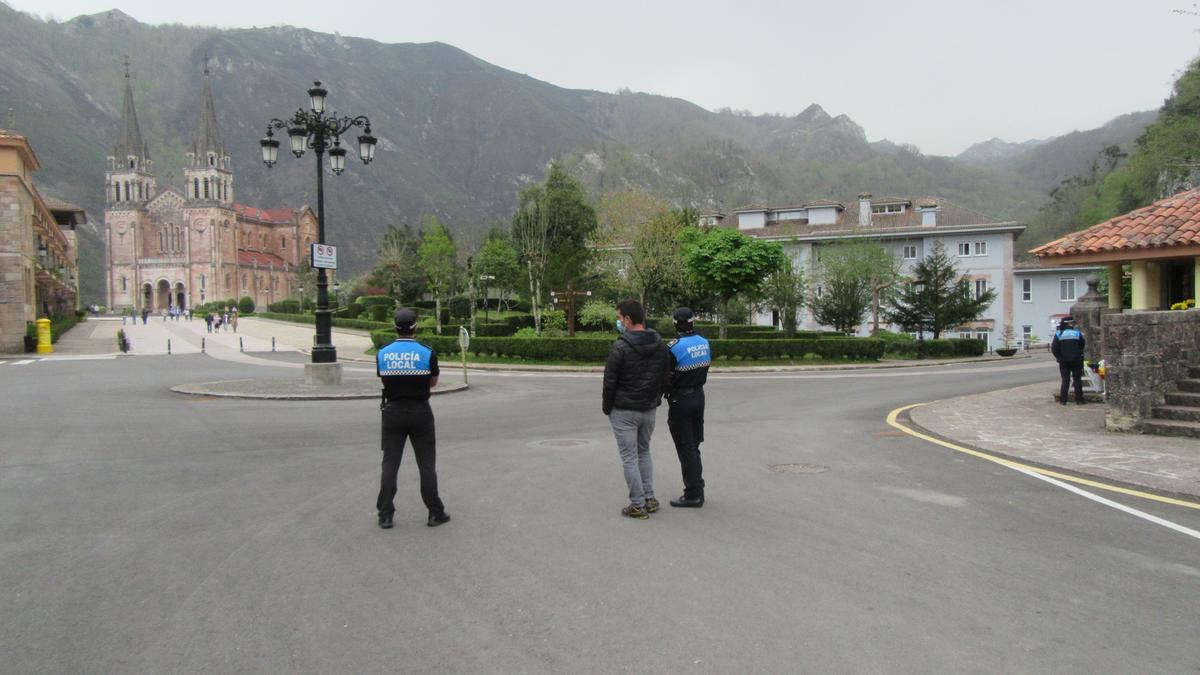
(635, 376)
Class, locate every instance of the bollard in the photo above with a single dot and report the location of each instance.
(202, 345)
(241, 344)
(168, 346)
(272, 343)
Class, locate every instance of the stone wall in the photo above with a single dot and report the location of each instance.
(1145, 353)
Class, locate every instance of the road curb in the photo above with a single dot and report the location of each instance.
(291, 390)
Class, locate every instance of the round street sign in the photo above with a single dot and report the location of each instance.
(464, 338)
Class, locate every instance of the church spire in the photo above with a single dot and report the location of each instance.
(207, 149)
(130, 143)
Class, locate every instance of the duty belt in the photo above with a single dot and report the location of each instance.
(683, 391)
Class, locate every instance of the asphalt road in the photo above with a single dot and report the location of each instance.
(143, 531)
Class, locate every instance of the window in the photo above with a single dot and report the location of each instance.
(244, 284)
(283, 242)
(201, 282)
(910, 252)
(888, 208)
(195, 188)
(1027, 290)
(124, 281)
(227, 281)
(981, 288)
(964, 249)
(981, 248)
(206, 188)
(1026, 334)
(1066, 289)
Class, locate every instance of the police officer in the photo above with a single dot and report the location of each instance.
(690, 358)
(1067, 348)
(408, 370)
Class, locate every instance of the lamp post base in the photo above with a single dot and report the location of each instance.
(323, 374)
(326, 353)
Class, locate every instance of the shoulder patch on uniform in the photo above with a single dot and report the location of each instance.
(672, 342)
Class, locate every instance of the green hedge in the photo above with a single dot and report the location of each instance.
(373, 300)
(596, 349)
(938, 349)
(285, 307)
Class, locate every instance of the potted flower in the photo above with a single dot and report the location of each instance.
(1007, 337)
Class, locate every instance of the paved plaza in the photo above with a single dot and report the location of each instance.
(147, 531)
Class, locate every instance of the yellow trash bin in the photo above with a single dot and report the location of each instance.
(43, 328)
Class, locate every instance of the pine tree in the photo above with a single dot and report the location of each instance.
(939, 298)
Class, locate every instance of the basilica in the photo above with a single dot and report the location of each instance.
(175, 248)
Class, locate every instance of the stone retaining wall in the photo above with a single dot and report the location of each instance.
(1145, 353)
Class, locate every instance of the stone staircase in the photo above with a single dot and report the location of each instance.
(1180, 416)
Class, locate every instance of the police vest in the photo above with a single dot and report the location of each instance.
(403, 358)
(691, 352)
(1069, 334)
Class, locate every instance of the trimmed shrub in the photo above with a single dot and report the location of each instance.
(285, 307)
(554, 319)
(351, 311)
(246, 305)
(373, 300)
(460, 307)
(949, 348)
(381, 312)
(518, 321)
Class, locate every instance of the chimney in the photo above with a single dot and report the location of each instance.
(929, 210)
(864, 209)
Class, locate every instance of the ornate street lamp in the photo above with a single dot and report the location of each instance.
(314, 129)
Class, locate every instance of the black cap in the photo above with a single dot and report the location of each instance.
(682, 315)
(406, 319)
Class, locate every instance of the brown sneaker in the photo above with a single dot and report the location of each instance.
(635, 511)
(651, 505)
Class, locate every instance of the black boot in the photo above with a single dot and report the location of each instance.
(686, 502)
(385, 522)
(436, 519)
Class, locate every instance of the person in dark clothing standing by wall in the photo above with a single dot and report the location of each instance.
(409, 370)
(1067, 347)
(635, 376)
(690, 356)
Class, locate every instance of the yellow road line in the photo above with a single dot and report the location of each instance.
(892, 419)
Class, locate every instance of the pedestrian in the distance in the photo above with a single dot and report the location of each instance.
(635, 376)
(409, 370)
(1067, 347)
(225, 321)
(234, 319)
(690, 357)
(145, 315)
(208, 321)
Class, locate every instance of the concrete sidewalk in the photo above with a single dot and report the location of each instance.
(1027, 424)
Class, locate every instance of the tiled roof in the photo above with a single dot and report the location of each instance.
(1174, 221)
(251, 258)
(59, 205)
(949, 215)
(283, 215)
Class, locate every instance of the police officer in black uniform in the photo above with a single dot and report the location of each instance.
(408, 370)
(1067, 347)
(690, 357)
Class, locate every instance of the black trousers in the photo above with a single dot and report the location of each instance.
(1071, 370)
(685, 419)
(404, 420)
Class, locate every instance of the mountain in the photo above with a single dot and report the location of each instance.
(1046, 163)
(995, 150)
(458, 137)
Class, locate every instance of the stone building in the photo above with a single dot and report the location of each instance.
(38, 271)
(177, 247)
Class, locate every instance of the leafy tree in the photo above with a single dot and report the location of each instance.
(399, 268)
(551, 229)
(939, 298)
(844, 293)
(531, 237)
(656, 257)
(596, 314)
(725, 263)
(496, 266)
(439, 260)
(785, 291)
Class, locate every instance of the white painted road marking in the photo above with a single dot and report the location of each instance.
(23, 362)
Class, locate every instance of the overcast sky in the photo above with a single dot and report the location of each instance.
(941, 74)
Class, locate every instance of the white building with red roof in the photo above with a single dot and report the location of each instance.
(174, 248)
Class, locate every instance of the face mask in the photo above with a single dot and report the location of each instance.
(621, 327)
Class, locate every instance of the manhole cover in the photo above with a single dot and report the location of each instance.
(560, 443)
(798, 468)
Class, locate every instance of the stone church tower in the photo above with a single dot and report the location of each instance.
(129, 184)
(178, 248)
